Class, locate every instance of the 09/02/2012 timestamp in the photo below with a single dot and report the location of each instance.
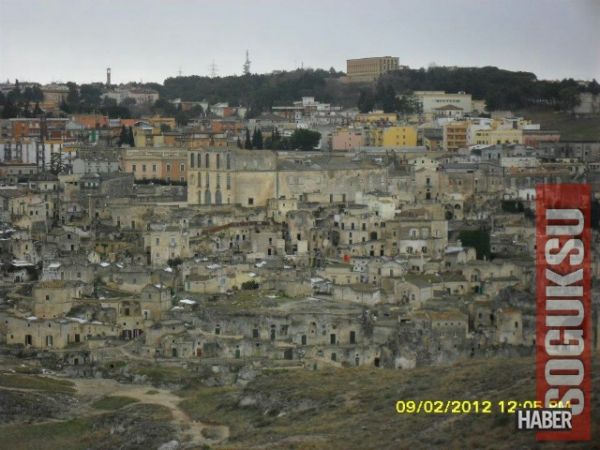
(469, 406)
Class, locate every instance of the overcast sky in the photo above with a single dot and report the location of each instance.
(149, 40)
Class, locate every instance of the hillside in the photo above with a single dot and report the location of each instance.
(354, 408)
(571, 128)
(298, 409)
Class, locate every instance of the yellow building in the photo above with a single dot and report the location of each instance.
(369, 69)
(377, 116)
(399, 137)
(158, 121)
(498, 136)
(148, 163)
(506, 136)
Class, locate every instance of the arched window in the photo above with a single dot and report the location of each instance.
(228, 161)
(192, 158)
(207, 196)
(207, 160)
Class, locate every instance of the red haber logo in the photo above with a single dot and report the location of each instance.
(563, 325)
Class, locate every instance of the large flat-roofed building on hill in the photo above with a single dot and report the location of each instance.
(251, 178)
(443, 104)
(369, 69)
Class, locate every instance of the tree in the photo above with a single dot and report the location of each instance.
(164, 107)
(248, 142)
(593, 87)
(121, 112)
(174, 262)
(197, 111)
(90, 96)
(64, 107)
(131, 138)
(37, 110)
(10, 110)
(257, 139)
(73, 97)
(366, 102)
(568, 98)
(181, 118)
(128, 101)
(480, 239)
(389, 102)
(124, 136)
(305, 139)
(249, 285)
(253, 140)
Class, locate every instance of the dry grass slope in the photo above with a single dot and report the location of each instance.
(355, 409)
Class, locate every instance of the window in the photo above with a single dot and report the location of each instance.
(192, 155)
(218, 161)
(133, 167)
(168, 167)
(250, 200)
(143, 167)
(206, 161)
(153, 167)
(182, 167)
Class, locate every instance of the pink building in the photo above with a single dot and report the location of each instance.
(532, 138)
(347, 140)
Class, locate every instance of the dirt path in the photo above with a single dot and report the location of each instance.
(191, 431)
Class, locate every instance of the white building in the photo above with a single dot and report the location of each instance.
(438, 102)
(140, 95)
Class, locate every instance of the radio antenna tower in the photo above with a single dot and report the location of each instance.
(213, 69)
(247, 64)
